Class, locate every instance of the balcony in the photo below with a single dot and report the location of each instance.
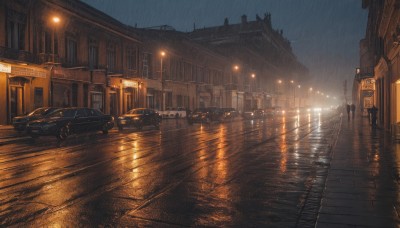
(231, 87)
(18, 55)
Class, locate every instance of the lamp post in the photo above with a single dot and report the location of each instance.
(253, 76)
(294, 93)
(236, 70)
(55, 20)
(298, 106)
(162, 53)
(278, 92)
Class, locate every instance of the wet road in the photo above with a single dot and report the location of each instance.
(241, 173)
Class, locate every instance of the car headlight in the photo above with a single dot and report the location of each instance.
(136, 118)
(121, 118)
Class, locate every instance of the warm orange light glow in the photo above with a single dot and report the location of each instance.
(291, 81)
(236, 67)
(253, 75)
(162, 53)
(56, 20)
(279, 81)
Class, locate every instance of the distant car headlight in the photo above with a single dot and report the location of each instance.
(121, 118)
(136, 118)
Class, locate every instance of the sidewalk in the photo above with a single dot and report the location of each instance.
(362, 188)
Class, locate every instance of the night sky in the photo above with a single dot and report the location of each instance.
(325, 34)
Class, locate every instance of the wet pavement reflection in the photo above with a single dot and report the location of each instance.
(269, 172)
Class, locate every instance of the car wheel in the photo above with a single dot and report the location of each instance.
(63, 133)
(156, 124)
(105, 129)
(139, 125)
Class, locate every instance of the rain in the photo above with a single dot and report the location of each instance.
(212, 113)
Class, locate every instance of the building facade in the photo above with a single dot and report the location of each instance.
(66, 53)
(260, 56)
(377, 81)
(180, 73)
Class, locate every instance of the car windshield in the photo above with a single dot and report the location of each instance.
(39, 111)
(136, 111)
(63, 113)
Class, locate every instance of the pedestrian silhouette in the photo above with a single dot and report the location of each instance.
(353, 110)
(374, 112)
(348, 111)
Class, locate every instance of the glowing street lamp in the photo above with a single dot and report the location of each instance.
(162, 54)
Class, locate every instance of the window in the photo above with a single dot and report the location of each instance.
(147, 65)
(97, 100)
(168, 99)
(131, 60)
(71, 50)
(16, 23)
(93, 54)
(111, 55)
(38, 97)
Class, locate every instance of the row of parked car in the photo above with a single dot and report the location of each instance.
(62, 122)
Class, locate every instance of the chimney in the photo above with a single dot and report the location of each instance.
(244, 19)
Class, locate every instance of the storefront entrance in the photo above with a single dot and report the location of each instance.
(16, 101)
(16, 97)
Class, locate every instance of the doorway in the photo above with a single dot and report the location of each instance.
(16, 101)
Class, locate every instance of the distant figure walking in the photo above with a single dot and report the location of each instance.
(353, 110)
(374, 112)
(348, 111)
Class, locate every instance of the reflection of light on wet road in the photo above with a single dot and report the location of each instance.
(283, 148)
(137, 182)
(296, 151)
(222, 191)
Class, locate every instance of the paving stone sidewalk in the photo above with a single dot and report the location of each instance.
(362, 187)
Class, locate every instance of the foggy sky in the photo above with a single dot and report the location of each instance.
(324, 34)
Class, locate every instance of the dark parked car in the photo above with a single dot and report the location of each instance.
(140, 117)
(230, 113)
(205, 115)
(254, 114)
(66, 121)
(19, 122)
